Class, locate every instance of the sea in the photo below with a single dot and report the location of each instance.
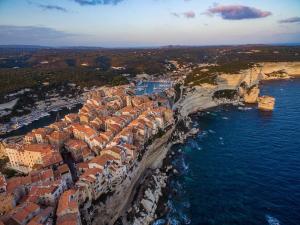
(243, 167)
(52, 117)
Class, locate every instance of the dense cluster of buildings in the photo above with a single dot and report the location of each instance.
(83, 156)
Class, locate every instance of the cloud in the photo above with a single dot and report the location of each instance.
(31, 35)
(175, 14)
(290, 20)
(53, 7)
(237, 12)
(97, 2)
(188, 14)
(49, 7)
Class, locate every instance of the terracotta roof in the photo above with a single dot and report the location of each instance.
(100, 139)
(63, 169)
(90, 172)
(51, 159)
(70, 219)
(86, 152)
(82, 165)
(85, 129)
(115, 128)
(107, 135)
(16, 182)
(102, 159)
(41, 175)
(41, 190)
(42, 148)
(41, 216)
(23, 211)
(72, 116)
(114, 149)
(67, 201)
(58, 135)
(41, 131)
(76, 144)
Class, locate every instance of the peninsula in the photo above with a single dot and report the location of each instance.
(104, 164)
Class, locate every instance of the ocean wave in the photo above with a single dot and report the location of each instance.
(272, 220)
(244, 108)
(159, 222)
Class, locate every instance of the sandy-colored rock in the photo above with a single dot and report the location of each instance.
(251, 96)
(266, 103)
(290, 68)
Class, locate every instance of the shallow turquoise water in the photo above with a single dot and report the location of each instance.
(244, 167)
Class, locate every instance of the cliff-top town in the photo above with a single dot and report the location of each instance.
(82, 157)
(149, 112)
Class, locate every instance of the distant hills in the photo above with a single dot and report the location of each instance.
(37, 47)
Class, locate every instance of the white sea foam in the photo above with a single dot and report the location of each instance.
(184, 165)
(159, 222)
(244, 108)
(272, 220)
(186, 219)
(174, 221)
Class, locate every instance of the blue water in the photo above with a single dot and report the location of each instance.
(243, 168)
(44, 121)
(151, 87)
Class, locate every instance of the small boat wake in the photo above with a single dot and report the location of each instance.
(272, 220)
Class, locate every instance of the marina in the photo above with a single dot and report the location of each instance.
(150, 87)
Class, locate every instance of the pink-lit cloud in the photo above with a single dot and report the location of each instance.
(188, 14)
(237, 12)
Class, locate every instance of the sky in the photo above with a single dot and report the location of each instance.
(148, 23)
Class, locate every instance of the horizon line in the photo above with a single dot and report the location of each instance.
(145, 47)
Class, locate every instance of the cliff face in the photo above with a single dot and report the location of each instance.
(247, 78)
(291, 68)
(198, 99)
(195, 99)
(251, 96)
(106, 213)
(201, 97)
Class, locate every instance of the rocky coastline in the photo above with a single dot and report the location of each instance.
(150, 204)
(139, 198)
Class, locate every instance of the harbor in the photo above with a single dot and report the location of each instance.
(150, 87)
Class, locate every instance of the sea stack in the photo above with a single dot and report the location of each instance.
(266, 103)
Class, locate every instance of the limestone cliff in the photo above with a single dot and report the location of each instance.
(108, 211)
(245, 83)
(289, 68)
(251, 95)
(202, 97)
(194, 99)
